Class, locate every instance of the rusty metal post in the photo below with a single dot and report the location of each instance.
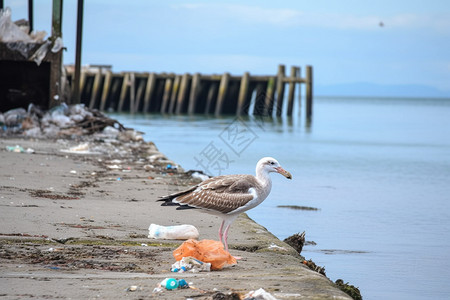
(57, 18)
(56, 58)
(76, 80)
(30, 14)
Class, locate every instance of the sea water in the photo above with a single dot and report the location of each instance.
(377, 170)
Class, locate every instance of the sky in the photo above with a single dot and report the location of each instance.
(375, 43)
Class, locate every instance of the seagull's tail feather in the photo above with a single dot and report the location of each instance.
(170, 200)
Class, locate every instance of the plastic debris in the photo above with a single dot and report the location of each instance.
(176, 232)
(260, 294)
(17, 149)
(80, 149)
(57, 45)
(207, 251)
(62, 120)
(183, 284)
(172, 283)
(190, 264)
(200, 176)
(10, 32)
(132, 288)
(114, 167)
(276, 247)
(171, 167)
(40, 53)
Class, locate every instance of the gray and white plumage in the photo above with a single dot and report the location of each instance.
(229, 195)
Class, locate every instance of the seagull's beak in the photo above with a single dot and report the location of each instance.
(284, 172)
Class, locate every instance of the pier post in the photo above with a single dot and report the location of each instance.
(291, 93)
(105, 92)
(115, 89)
(270, 92)
(223, 87)
(309, 92)
(243, 91)
(132, 93)
(173, 98)
(166, 95)
(210, 97)
(123, 92)
(182, 93)
(151, 80)
(280, 89)
(82, 83)
(97, 79)
(139, 93)
(195, 85)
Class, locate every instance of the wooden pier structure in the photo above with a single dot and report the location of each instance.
(170, 93)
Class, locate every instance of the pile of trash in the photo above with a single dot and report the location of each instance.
(18, 39)
(62, 121)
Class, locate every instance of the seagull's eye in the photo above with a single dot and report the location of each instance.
(272, 163)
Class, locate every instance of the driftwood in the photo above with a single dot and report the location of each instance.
(97, 122)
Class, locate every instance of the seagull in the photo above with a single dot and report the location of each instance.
(227, 196)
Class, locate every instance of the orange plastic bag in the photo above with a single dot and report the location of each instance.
(207, 251)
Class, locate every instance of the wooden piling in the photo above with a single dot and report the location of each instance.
(243, 91)
(166, 95)
(132, 93)
(210, 97)
(182, 93)
(139, 94)
(95, 87)
(217, 94)
(223, 87)
(82, 82)
(195, 86)
(123, 92)
(269, 97)
(173, 98)
(149, 88)
(280, 89)
(309, 92)
(291, 93)
(114, 91)
(106, 87)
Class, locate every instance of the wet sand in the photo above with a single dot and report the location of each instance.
(75, 227)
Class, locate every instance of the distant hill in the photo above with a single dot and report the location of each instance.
(378, 90)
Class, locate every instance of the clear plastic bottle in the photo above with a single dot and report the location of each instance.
(177, 232)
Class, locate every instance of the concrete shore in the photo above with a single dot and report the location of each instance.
(74, 225)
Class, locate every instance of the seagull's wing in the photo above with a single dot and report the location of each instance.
(222, 193)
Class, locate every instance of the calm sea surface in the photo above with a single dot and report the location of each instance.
(378, 170)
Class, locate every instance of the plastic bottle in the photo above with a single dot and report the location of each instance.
(183, 284)
(177, 232)
(169, 283)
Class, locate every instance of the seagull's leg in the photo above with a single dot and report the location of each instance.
(225, 238)
(220, 232)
